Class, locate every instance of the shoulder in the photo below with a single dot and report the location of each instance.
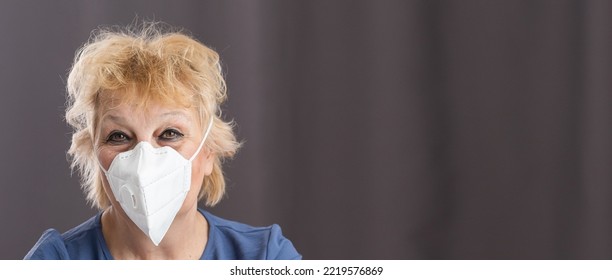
(80, 242)
(50, 246)
(234, 240)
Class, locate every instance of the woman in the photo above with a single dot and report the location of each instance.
(148, 143)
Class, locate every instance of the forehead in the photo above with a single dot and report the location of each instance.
(127, 103)
(139, 96)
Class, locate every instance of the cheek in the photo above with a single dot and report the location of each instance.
(105, 157)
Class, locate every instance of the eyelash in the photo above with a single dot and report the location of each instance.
(177, 135)
(109, 139)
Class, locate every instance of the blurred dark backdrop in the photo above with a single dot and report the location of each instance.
(374, 129)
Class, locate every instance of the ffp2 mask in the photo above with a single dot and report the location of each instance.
(151, 185)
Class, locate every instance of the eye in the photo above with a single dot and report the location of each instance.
(170, 135)
(117, 137)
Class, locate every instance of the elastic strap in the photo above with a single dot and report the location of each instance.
(203, 139)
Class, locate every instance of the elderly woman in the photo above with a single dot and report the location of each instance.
(148, 143)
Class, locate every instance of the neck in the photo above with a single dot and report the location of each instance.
(186, 238)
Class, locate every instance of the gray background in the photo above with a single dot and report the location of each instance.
(374, 129)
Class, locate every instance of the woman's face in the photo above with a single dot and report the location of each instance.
(123, 126)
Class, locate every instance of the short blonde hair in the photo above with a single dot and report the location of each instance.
(145, 63)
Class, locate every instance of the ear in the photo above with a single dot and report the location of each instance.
(207, 161)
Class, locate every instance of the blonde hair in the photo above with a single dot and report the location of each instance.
(145, 63)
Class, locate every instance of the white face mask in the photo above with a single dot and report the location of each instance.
(151, 185)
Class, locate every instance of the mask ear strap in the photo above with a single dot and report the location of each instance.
(210, 123)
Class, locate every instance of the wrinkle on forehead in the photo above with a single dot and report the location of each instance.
(140, 97)
(122, 114)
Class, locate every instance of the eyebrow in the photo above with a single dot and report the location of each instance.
(120, 119)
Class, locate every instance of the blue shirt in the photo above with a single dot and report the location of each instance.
(227, 240)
